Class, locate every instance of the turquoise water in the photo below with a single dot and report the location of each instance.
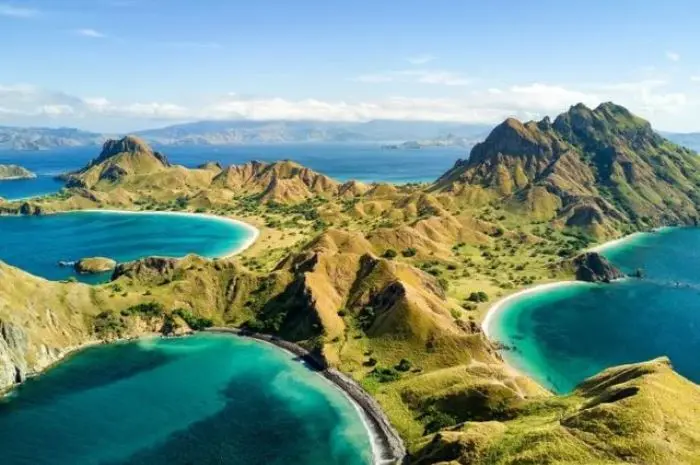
(565, 335)
(208, 399)
(364, 162)
(37, 243)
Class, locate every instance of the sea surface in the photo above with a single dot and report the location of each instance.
(207, 399)
(37, 243)
(364, 162)
(567, 334)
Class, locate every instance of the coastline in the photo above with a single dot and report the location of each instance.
(387, 445)
(499, 305)
(254, 233)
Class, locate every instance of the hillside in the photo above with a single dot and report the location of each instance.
(643, 413)
(601, 170)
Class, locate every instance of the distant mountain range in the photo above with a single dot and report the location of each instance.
(14, 138)
(256, 132)
(392, 134)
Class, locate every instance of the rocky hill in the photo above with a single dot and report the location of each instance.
(601, 170)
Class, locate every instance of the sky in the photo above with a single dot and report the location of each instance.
(117, 65)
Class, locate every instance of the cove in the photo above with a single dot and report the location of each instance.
(37, 243)
(567, 333)
(205, 399)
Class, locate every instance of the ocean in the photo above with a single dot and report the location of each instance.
(206, 399)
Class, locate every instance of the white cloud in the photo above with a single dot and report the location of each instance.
(420, 59)
(695, 78)
(653, 99)
(673, 56)
(92, 33)
(12, 11)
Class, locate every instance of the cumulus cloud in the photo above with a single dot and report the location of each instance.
(25, 104)
(13, 11)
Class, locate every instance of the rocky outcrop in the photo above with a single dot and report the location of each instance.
(95, 265)
(592, 267)
(147, 269)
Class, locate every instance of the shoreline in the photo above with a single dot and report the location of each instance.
(254, 233)
(498, 306)
(387, 445)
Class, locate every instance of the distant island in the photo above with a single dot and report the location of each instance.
(10, 172)
(449, 140)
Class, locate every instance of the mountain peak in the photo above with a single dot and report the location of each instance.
(128, 144)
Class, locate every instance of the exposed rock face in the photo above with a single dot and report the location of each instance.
(95, 265)
(13, 354)
(147, 269)
(15, 172)
(593, 267)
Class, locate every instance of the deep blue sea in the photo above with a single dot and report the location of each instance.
(364, 162)
(37, 243)
(565, 335)
(203, 400)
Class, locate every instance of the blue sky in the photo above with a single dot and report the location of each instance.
(115, 65)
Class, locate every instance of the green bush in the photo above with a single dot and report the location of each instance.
(404, 365)
(197, 323)
(409, 252)
(365, 318)
(149, 309)
(480, 296)
(390, 253)
(385, 375)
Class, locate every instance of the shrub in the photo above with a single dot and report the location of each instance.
(195, 322)
(409, 252)
(390, 253)
(480, 296)
(365, 318)
(149, 309)
(385, 375)
(404, 365)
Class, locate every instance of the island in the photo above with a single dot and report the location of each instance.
(95, 265)
(13, 172)
(389, 285)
